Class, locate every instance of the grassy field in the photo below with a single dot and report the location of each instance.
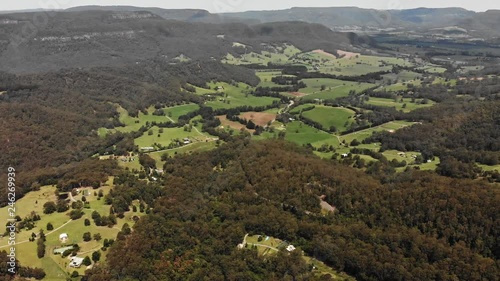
(133, 124)
(333, 88)
(400, 105)
(175, 112)
(168, 135)
(489, 168)
(331, 116)
(359, 65)
(55, 266)
(363, 134)
(236, 97)
(301, 133)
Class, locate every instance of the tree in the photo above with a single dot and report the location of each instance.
(49, 207)
(87, 261)
(62, 206)
(76, 214)
(87, 237)
(86, 222)
(96, 256)
(84, 199)
(50, 226)
(146, 161)
(97, 237)
(74, 274)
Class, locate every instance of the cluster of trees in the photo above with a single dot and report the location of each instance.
(454, 131)
(416, 226)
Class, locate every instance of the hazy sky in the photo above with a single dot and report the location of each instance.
(244, 5)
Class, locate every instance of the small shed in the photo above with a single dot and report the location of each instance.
(63, 237)
(290, 248)
(59, 251)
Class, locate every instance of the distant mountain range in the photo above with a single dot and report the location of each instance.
(115, 35)
(483, 24)
(108, 38)
(338, 18)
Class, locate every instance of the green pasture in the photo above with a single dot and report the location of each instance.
(404, 104)
(236, 96)
(328, 116)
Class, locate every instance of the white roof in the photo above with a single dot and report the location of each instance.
(76, 262)
(63, 235)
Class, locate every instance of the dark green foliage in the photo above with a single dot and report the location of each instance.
(96, 256)
(49, 207)
(414, 227)
(87, 261)
(87, 237)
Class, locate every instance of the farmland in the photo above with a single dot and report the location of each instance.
(232, 96)
(340, 118)
(403, 104)
(332, 88)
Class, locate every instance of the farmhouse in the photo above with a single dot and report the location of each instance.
(59, 251)
(63, 237)
(76, 262)
(149, 148)
(345, 155)
(290, 248)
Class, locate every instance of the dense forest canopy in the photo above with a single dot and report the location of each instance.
(419, 226)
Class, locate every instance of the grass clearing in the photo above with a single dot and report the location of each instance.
(301, 133)
(333, 88)
(236, 96)
(403, 104)
(363, 134)
(177, 111)
(328, 116)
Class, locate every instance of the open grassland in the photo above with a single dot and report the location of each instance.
(489, 168)
(328, 116)
(333, 88)
(349, 65)
(363, 134)
(175, 112)
(133, 124)
(236, 96)
(301, 133)
(404, 104)
(168, 135)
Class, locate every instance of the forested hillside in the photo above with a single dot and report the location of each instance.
(105, 38)
(419, 226)
(51, 119)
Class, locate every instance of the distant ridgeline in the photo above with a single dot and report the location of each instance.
(106, 38)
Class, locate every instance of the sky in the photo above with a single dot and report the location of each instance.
(219, 6)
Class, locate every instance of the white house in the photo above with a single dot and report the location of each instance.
(290, 248)
(76, 262)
